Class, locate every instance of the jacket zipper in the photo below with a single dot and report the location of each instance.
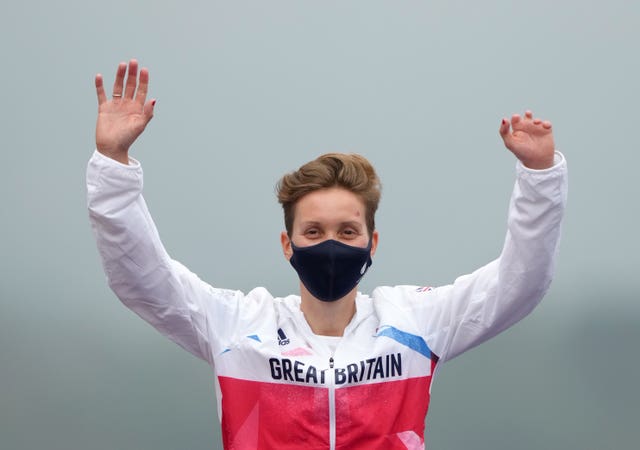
(332, 406)
(331, 382)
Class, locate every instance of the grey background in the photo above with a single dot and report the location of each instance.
(248, 90)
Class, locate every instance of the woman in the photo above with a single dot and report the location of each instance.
(330, 367)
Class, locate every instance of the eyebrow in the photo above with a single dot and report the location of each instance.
(351, 223)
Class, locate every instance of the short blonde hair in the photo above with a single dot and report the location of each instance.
(349, 171)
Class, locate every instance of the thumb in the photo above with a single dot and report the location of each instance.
(505, 133)
(147, 109)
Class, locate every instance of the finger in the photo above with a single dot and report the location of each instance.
(528, 114)
(546, 125)
(141, 93)
(516, 121)
(118, 84)
(132, 79)
(537, 121)
(100, 89)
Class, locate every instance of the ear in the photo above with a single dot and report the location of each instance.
(286, 245)
(374, 242)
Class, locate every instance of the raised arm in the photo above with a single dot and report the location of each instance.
(477, 306)
(480, 305)
(139, 271)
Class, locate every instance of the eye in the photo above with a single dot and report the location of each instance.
(349, 233)
(312, 232)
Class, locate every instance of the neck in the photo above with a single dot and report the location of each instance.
(328, 318)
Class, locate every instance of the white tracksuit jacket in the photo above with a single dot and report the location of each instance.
(281, 387)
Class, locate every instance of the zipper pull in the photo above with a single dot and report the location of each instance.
(331, 363)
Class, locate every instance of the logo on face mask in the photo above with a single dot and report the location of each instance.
(330, 269)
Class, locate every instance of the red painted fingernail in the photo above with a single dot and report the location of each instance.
(153, 103)
(503, 121)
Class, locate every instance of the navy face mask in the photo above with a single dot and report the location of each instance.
(330, 269)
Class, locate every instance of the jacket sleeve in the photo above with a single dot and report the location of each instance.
(140, 272)
(478, 306)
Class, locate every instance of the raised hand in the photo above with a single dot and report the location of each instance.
(531, 140)
(124, 117)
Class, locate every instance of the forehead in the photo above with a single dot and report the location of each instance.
(334, 204)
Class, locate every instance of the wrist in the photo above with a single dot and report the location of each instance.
(539, 163)
(120, 155)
